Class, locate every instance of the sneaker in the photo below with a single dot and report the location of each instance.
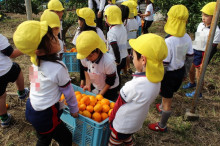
(189, 85)
(156, 127)
(23, 96)
(158, 108)
(192, 94)
(6, 123)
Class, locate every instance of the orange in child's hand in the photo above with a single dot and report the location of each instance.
(82, 107)
(97, 117)
(105, 101)
(105, 108)
(109, 112)
(62, 97)
(99, 97)
(98, 108)
(104, 116)
(89, 108)
(86, 114)
(85, 100)
(7, 106)
(112, 104)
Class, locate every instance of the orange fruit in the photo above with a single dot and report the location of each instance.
(104, 116)
(82, 107)
(112, 104)
(78, 97)
(85, 100)
(80, 112)
(98, 108)
(93, 100)
(86, 114)
(62, 97)
(109, 112)
(89, 108)
(105, 108)
(96, 117)
(105, 101)
(98, 102)
(7, 106)
(99, 97)
(84, 95)
(77, 92)
(79, 104)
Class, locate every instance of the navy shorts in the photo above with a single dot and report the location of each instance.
(10, 76)
(171, 82)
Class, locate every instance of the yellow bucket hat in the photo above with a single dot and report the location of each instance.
(130, 5)
(28, 36)
(51, 18)
(134, 2)
(87, 14)
(209, 8)
(152, 1)
(55, 5)
(88, 41)
(114, 15)
(154, 48)
(176, 22)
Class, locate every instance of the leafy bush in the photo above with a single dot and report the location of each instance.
(194, 7)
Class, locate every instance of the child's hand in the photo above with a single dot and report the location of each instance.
(75, 115)
(86, 87)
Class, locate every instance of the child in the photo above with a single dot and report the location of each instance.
(49, 79)
(110, 3)
(9, 72)
(57, 7)
(136, 96)
(116, 37)
(86, 17)
(179, 46)
(148, 16)
(199, 45)
(131, 27)
(100, 68)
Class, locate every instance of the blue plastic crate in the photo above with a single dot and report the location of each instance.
(85, 131)
(71, 62)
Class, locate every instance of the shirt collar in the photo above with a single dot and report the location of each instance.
(99, 58)
(139, 74)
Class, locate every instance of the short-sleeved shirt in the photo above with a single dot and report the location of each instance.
(45, 82)
(98, 30)
(98, 70)
(151, 10)
(5, 61)
(201, 37)
(139, 94)
(178, 48)
(118, 33)
(132, 28)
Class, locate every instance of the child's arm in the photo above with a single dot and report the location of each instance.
(10, 52)
(70, 97)
(110, 80)
(118, 104)
(88, 82)
(145, 15)
(16, 53)
(116, 52)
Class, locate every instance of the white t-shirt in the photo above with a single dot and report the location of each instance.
(178, 47)
(201, 37)
(5, 61)
(98, 30)
(139, 94)
(132, 28)
(98, 71)
(45, 81)
(118, 34)
(151, 10)
(100, 4)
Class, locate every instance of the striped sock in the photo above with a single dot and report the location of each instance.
(113, 141)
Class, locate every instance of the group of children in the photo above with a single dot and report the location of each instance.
(160, 67)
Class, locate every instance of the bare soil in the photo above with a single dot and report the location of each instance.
(205, 131)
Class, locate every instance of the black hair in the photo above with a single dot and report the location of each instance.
(44, 45)
(125, 13)
(138, 55)
(85, 27)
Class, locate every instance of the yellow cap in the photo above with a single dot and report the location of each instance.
(55, 5)
(176, 22)
(28, 36)
(87, 14)
(51, 18)
(209, 8)
(88, 41)
(152, 1)
(130, 5)
(154, 48)
(114, 15)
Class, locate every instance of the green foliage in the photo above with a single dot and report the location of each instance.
(194, 7)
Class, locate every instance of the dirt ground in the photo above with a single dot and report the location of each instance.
(205, 131)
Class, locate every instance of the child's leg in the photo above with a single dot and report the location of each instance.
(113, 140)
(20, 82)
(3, 109)
(192, 74)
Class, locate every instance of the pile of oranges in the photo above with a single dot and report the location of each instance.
(96, 107)
(72, 50)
